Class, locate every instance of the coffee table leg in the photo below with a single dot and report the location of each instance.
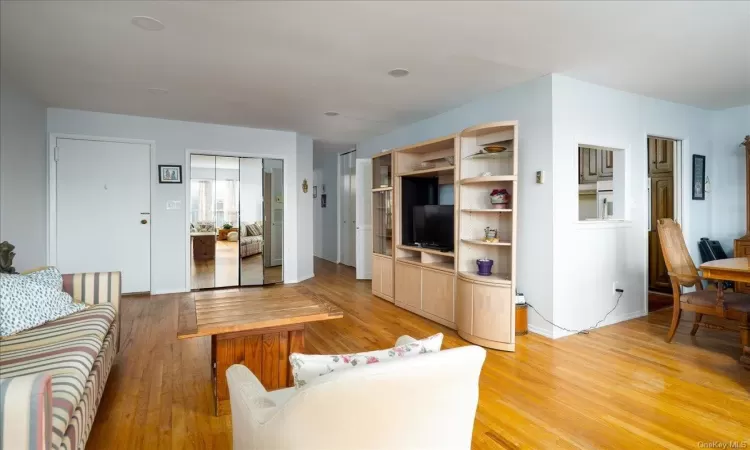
(265, 352)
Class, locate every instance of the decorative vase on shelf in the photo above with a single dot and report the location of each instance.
(484, 267)
(500, 199)
(490, 235)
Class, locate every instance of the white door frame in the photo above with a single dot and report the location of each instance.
(52, 189)
(338, 201)
(681, 149)
(186, 181)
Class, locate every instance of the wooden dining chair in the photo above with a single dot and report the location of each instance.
(682, 272)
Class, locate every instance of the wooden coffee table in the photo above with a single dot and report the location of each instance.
(258, 328)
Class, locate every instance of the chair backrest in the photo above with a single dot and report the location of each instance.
(427, 401)
(676, 255)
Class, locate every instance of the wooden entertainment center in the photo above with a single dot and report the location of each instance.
(439, 284)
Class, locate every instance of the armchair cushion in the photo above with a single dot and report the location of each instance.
(308, 367)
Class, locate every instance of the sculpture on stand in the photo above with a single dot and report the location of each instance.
(6, 257)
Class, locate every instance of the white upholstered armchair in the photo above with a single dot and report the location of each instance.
(423, 402)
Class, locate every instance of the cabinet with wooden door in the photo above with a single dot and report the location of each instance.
(594, 164)
(382, 226)
(661, 206)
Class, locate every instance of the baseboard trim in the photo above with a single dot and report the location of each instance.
(169, 291)
(610, 321)
(540, 331)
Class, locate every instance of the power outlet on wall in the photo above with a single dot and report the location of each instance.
(616, 288)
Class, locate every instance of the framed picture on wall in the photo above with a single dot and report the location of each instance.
(699, 177)
(170, 174)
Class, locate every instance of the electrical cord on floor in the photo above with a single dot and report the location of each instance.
(584, 331)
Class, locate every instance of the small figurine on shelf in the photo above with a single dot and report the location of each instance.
(500, 199)
(490, 235)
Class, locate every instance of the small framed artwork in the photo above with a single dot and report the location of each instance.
(699, 177)
(170, 174)
(315, 192)
(322, 200)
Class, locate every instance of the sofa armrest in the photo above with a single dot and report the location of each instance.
(94, 288)
(245, 389)
(405, 339)
(26, 411)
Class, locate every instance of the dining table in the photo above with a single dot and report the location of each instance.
(738, 271)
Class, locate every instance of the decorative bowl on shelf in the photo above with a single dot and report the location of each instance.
(500, 199)
(484, 267)
(493, 148)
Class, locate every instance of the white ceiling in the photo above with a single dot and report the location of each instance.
(281, 65)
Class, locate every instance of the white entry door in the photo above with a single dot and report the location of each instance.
(364, 218)
(103, 220)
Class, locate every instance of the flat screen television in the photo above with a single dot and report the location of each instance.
(433, 226)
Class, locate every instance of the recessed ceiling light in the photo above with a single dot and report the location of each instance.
(147, 23)
(398, 73)
(158, 91)
(331, 113)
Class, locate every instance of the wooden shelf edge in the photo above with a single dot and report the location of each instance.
(441, 267)
(382, 189)
(426, 250)
(493, 279)
(380, 255)
(486, 210)
(490, 179)
(481, 242)
(434, 170)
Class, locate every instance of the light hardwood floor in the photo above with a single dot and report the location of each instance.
(621, 386)
(222, 271)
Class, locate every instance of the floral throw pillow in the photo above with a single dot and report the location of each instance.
(308, 367)
(49, 276)
(26, 303)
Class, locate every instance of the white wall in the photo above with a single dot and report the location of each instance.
(23, 175)
(727, 174)
(173, 139)
(326, 164)
(305, 208)
(531, 104)
(589, 258)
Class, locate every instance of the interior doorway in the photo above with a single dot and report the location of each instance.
(347, 208)
(236, 216)
(663, 203)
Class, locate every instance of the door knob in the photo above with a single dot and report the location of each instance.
(144, 221)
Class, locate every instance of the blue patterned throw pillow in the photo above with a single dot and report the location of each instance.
(49, 276)
(27, 303)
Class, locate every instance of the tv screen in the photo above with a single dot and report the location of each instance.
(433, 226)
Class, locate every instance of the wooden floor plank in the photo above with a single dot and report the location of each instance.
(620, 386)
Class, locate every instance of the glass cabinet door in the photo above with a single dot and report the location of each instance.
(382, 171)
(382, 223)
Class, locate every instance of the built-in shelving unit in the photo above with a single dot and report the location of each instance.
(444, 286)
(485, 310)
(382, 226)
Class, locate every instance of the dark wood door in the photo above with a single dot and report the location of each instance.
(660, 156)
(660, 171)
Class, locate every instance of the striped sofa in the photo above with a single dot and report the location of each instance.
(52, 377)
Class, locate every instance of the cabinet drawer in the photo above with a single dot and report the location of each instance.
(409, 285)
(386, 277)
(437, 294)
(377, 279)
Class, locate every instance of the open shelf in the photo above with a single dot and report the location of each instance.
(486, 210)
(489, 179)
(481, 242)
(443, 266)
(485, 155)
(425, 250)
(435, 171)
(502, 279)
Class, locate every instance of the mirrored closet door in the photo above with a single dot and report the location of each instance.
(236, 221)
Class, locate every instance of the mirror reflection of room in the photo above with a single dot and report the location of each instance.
(251, 227)
(273, 192)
